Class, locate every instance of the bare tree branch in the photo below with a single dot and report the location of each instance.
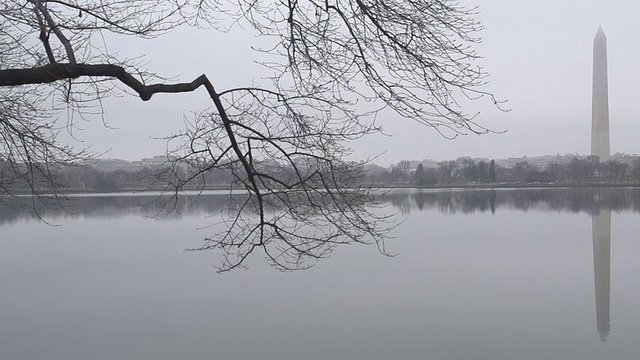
(281, 143)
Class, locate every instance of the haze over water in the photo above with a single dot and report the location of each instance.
(484, 274)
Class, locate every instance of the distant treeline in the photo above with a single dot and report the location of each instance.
(19, 178)
(586, 170)
(467, 172)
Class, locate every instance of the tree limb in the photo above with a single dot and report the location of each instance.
(55, 72)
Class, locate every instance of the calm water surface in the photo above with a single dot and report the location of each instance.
(504, 274)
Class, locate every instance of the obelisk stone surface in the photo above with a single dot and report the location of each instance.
(600, 101)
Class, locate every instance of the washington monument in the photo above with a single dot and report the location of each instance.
(600, 101)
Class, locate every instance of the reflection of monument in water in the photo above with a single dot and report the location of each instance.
(600, 100)
(601, 230)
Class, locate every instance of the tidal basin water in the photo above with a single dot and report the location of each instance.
(480, 274)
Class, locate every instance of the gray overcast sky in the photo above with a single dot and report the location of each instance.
(538, 54)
